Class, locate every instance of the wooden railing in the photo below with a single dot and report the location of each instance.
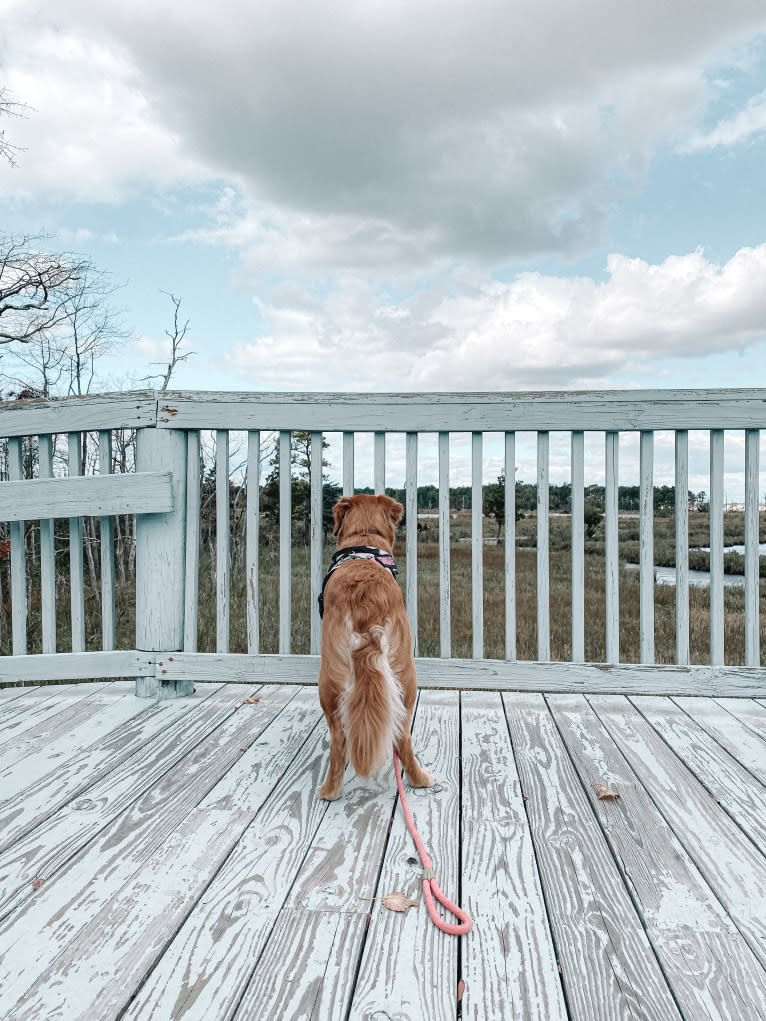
(163, 491)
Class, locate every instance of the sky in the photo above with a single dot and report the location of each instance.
(385, 196)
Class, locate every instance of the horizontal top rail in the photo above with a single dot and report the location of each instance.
(612, 410)
(93, 412)
(471, 412)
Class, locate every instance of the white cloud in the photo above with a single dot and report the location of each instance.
(380, 135)
(732, 130)
(536, 331)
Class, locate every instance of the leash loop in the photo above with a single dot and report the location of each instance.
(431, 890)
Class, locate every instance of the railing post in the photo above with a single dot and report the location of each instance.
(160, 562)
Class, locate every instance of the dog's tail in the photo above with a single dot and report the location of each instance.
(372, 709)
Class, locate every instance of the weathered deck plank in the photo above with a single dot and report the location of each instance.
(608, 967)
(409, 968)
(52, 713)
(684, 920)
(205, 969)
(739, 740)
(509, 964)
(153, 864)
(732, 866)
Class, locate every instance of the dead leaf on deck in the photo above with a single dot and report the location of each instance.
(398, 902)
(604, 794)
(37, 883)
(251, 701)
(460, 990)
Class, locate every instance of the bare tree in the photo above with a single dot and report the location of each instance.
(176, 340)
(35, 287)
(10, 107)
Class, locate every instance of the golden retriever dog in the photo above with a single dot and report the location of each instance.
(367, 684)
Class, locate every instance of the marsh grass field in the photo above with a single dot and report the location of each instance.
(428, 594)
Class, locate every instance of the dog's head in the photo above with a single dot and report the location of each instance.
(367, 515)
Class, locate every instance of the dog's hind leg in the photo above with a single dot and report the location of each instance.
(332, 788)
(416, 775)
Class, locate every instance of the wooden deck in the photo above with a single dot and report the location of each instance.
(162, 861)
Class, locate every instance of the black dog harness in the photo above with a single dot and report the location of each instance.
(342, 556)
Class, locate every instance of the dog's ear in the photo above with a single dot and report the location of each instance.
(393, 509)
(339, 511)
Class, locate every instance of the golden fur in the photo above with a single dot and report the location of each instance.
(367, 684)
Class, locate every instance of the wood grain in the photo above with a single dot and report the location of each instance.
(409, 967)
(609, 970)
(509, 964)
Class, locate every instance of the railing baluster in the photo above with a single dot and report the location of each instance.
(252, 530)
(477, 546)
(510, 546)
(222, 539)
(682, 546)
(106, 533)
(18, 558)
(77, 591)
(716, 547)
(752, 559)
(191, 571)
(611, 548)
(285, 543)
(543, 548)
(380, 463)
(646, 555)
(317, 534)
(445, 592)
(411, 510)
(578, 547)
(348, 464)
(48, 556)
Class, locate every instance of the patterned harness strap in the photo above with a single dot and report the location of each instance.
(342, 556)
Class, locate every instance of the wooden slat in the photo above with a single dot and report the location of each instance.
(509, 963)
(380, 462)
(48, 556)
(76, 572)
(390, 981)
(493, 674)
(543, 547)
(732, 867)
(752, 560)
(69, 666)
(716, 547)
(509, 558)
(35, 716)
(646, 555)
(735, 789)
(477, 548)
(78, 414)
(205, 970)
(607, 964)
(106, 535)
(611, 548)
(719, 719)
(147, 889)
(684, 920)
(348, 464)
(252, 528)
(193, 508)
(18, 559)
(318, 935)
(41, 499)
(578, 547)
(465, 412)
(285, 542)
(53, 821)
(317, 537)
(411, 541)
(56, 717)
(222, 544)
(445, 581)
(682, 546)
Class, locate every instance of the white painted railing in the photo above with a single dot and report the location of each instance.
(164, 493)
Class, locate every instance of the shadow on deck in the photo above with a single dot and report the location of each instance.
(171, 860)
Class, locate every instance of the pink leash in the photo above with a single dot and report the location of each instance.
(431, 889)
